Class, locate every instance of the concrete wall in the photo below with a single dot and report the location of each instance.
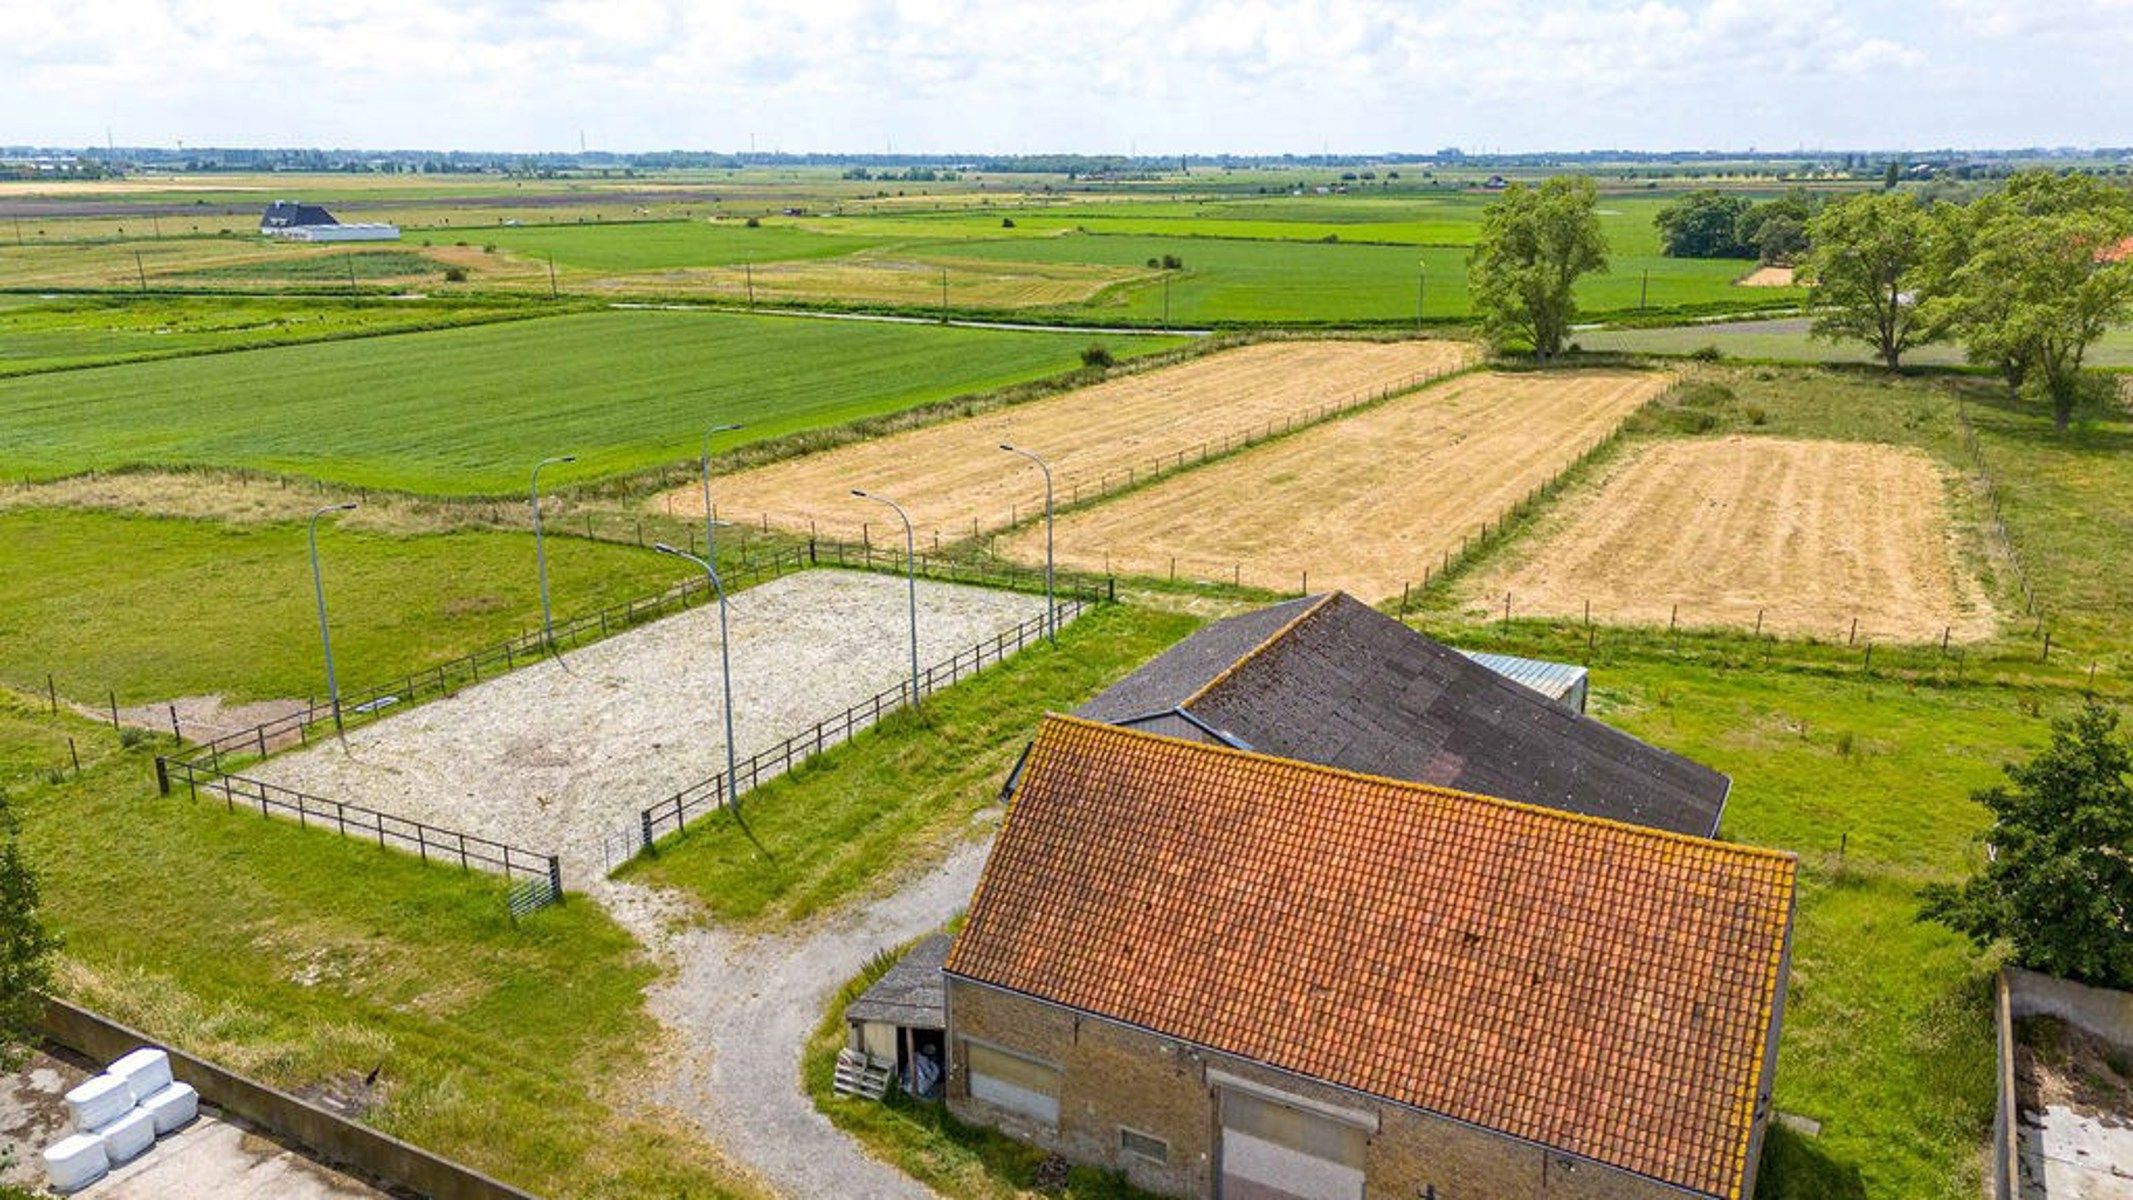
(1116, 1075)
(2100, 1011)
(2006, 1129)
(331, 1138)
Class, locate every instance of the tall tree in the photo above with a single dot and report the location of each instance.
(1875, 270)
(2058, 887)
(25, 945)
(2040, 279)
(1704, 224)
(1535, 244)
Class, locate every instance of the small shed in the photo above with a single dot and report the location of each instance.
(897, 1027)
(1564, 683)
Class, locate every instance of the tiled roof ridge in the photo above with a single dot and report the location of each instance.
(1765, 1012)
(1564, 816)
(1287, 628)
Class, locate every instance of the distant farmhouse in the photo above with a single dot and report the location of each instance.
(1229, 974)
(296, 222)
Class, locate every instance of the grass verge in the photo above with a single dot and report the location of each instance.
(309, 962)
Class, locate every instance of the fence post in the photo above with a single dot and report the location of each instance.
(162, 776)
(555, 877)
(114, 710)
(176, 734)
(644, 819)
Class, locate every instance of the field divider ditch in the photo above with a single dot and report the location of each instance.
(671, 816)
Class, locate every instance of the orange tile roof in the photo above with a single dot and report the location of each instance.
(1600, 988)
(2117, 253)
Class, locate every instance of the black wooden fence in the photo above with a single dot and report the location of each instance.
(673, 814)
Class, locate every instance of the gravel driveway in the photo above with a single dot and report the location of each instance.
(743, 1007)
(553, 756)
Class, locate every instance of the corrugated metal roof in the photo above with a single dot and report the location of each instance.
(1554, 680)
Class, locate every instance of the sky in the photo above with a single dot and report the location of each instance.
(1069, 76)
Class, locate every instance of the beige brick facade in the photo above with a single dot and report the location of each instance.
(1116, 1076)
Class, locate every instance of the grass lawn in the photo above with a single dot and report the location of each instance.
(156, 609)
(37, 335)
(308, 961)
(837, 824)
(466, 411)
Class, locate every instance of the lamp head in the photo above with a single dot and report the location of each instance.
(861, 494)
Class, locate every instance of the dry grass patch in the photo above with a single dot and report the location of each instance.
(1767, 277)
(1365, 503)
(872, 278)
(1808, 534)
(952, 474)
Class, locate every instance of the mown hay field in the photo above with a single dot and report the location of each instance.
(953, 478)
(1366, 503)
(468, 411)
(1791, 536)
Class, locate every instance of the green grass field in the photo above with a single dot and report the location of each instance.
(504, 1046)
(838, 823)
(42, 335)
(158, 609)
(1786, 340)
(467, 411)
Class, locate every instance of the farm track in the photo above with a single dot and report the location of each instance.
(1801, 537)
(1365, 503)
(952, 474)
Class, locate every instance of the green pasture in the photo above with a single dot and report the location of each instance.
(311, 962)
(468, 411)
(661, 245)
(1786, 340)
(155, 609)
(38, 335)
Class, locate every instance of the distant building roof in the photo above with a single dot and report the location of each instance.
(910, 993)
(1607, 990)
(1551, 679)
(287, 214)
(1330, 680)
(2117, 253)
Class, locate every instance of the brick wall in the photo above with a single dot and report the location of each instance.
(1115, 1075)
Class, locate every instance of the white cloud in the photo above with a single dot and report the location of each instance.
(1251, 75)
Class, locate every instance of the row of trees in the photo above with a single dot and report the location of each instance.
(1715, 224)
(2026, 278)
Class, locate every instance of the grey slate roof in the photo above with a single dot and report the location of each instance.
(285, 214)
(910, 994)
(1333, 681)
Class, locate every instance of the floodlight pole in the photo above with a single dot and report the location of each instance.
(910, 576)
(1051, 610)
(325, 632)
(709, 552)
(725, 666)
(540, 549)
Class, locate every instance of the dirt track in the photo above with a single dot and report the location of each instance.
(1364, 503)
(950, 474)
(1812, 534)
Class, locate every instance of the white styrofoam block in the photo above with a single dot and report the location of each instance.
(75, 1161)
(99, 1102)
(125, 1138)
(172, 1107)
(146, 1071)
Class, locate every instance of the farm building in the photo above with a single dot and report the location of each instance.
(896, 1028)
(296, 222)
(1230, 974)
(1328, 679)
(1565, 683)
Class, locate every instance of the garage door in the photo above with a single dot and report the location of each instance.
(1273, 1151)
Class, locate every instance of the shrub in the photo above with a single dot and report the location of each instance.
(754, 222)
(488, 248)
(131, 738)
(455, 274)
(1007, 222)
(1709, 353)
(1097, 355)
(1172, 262)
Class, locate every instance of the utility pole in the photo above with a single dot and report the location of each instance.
(1644, 290)
(944, 295)
(551, 277)
(749, 270)
(1421, 279)
(1166, 299)
(140, 270)
(350, 261)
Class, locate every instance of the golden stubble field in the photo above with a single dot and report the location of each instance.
(949, 475)
(1806, 535)
(1365, 503)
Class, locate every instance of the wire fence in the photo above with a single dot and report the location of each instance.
(1991, 491)
(431, 843)
(674, 813)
